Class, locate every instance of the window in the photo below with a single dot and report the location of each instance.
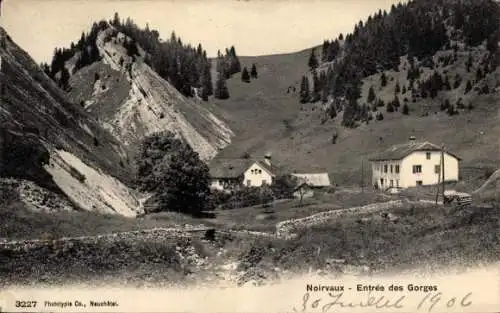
(391, 183)
(428, 155)
(249, 182)
(260, 171)
(397, 169)
(391, 168)
(385, 168)
(419, 183)
(437, 169)
(397, 182)
(417, 169)
(382, 182)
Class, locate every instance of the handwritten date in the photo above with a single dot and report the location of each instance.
(335, 300)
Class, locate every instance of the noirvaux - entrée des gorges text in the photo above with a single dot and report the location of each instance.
(363, 288)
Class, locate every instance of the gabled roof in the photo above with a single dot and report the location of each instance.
(313, 179)
(234, 168)
(398, 152)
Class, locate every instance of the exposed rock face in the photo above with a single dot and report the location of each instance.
(144, 102)
(49, 140)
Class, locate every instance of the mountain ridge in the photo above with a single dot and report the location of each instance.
(149, 103)
(47, 139)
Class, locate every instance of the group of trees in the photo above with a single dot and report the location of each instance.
(170, 169)
(167, 167)
(228, 64)
(88, 53)
(417, 29)
(246, 76)
(184, 66)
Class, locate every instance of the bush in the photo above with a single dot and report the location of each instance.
(173, 171)
(244, 197)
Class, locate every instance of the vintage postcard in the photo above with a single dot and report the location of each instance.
(249, 156)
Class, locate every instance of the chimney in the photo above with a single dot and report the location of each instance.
(267, 159)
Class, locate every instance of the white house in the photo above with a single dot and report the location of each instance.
(228, 174)
(413, 164)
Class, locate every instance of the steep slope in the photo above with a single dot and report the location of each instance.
(133, 101)
(300, 135)
(47, 139)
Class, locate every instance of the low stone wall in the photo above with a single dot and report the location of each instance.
(286, 229)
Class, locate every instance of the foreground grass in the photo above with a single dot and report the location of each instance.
(418, 236)
(262, 219)
(21, 223)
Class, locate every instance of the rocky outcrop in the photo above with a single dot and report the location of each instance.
(153, 105)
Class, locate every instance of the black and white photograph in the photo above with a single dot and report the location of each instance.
(169, 144)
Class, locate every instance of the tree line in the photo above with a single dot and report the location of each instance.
(417, 29)
(186, 67)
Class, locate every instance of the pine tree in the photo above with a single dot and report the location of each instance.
(383, 80)
(221, 91)
(315, 94)
(390, 107)
(253, 72)
(371, 95)
(245, 76)
(64, 81)
(206, 83)
(396, 102)
(406, 109)
(116, 20)
(313, 61)
(468, 87)
(304, 90)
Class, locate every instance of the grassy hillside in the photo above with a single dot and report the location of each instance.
(268, 119)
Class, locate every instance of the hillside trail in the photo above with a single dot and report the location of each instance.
(494, 178)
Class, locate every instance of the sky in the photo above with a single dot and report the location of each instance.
(254, 27)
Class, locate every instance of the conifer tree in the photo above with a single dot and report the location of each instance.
(304, 90)
(245, 76)
(221, 91)
(406, 109)
(64, 80)
(390, 107)
(371, 95)
(383, 80)
(313, 60)
(253, 72)
(468, 87)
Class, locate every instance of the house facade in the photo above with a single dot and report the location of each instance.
(308, 183)
(230, 174)
(413, 164)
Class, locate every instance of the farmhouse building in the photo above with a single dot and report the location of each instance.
(413, 164)
(227, 174)
(308, 183)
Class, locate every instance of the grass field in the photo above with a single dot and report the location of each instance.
(417, 237)
(268, 119)
(425, 237)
